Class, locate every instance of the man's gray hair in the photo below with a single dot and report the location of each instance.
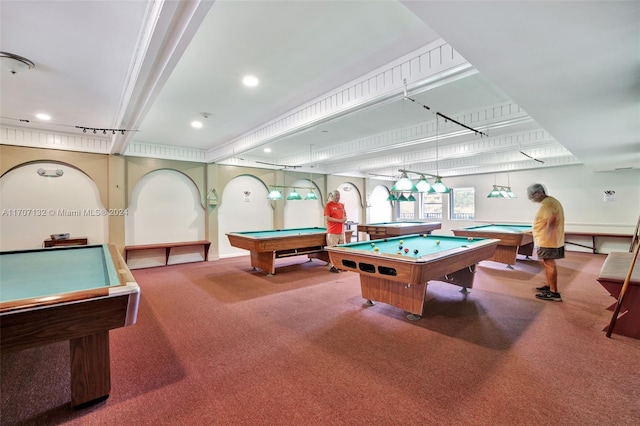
(536, 187)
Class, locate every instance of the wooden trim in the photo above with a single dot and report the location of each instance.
(593, 236)
(168, 246)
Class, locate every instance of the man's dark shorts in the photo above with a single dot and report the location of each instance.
(550, 253)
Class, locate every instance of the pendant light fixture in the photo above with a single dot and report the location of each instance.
(275, 194)
(311, 195)
(438, 186)
(293, 195)
(501, 191)
(423, 185)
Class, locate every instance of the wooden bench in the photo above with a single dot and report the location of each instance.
(612, 276)
(168, 246)
(594, 235)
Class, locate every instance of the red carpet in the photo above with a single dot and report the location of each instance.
(219, 344)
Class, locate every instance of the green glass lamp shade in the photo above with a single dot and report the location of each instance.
(274, 195)
(293, 195)
(404, 184)
(423, 185)
(311, 196)
(392, 197)
(495, 193)
(440, 187)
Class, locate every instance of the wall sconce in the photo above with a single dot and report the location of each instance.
(212, 197)
(50, 172)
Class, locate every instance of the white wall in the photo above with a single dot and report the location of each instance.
(350, 197)
(303, 213)
(244, 207)
(380, 209)
(165, 207)
(33, 207)
(579, 190)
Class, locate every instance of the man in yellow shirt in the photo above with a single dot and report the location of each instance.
(548, 235)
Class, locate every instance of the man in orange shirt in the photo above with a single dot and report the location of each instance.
(335, 216)
(548, 236)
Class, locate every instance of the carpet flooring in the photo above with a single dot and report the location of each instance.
(217, 343)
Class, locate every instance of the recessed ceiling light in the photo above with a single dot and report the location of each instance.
(250, 81)
(196, 124)
(43, 116)
(267, 150)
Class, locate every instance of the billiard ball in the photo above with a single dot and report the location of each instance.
(399, 247)
(470, 238)
(424, 235)
(438, 242)
(401, 242)
(399, 252)
(406, 250)
(415, 251)
(385, 240)
(373, 244)
(376, 249)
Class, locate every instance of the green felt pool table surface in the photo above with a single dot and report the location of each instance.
(514, 240)
(500, 228)
(280, 233)
(427, 246)
(41, 273)
(267, 246)
(393, 229)
(399, 276)
(74, 293)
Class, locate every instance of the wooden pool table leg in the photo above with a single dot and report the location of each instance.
(90, 369)
(526, 250)
(409, 297)
(505, 254)
(463, 278)
(265, 260)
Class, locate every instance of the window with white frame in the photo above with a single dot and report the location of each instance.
(431, 206)
(462, 202)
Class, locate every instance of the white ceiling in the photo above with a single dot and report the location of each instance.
(555, 82)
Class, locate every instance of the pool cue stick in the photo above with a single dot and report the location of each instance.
(622, 292)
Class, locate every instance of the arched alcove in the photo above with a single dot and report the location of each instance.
(165, 206)
(60, 199)
(304, 213)
(379, 209)
(243, 207)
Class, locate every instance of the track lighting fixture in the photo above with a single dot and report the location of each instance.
(104, 131)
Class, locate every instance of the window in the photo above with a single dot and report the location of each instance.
(431, 206)
(462, 201)
(406, 210)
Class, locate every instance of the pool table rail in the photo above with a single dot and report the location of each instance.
(264, 250)
(412, 270)
(378, 231)
(82, 317)
(401, 281)
(512, 242)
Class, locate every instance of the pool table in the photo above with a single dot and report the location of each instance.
(75, 293)
(514, 240)
(612, 277)
(267, 246)
(399, 276)
(383, 230)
